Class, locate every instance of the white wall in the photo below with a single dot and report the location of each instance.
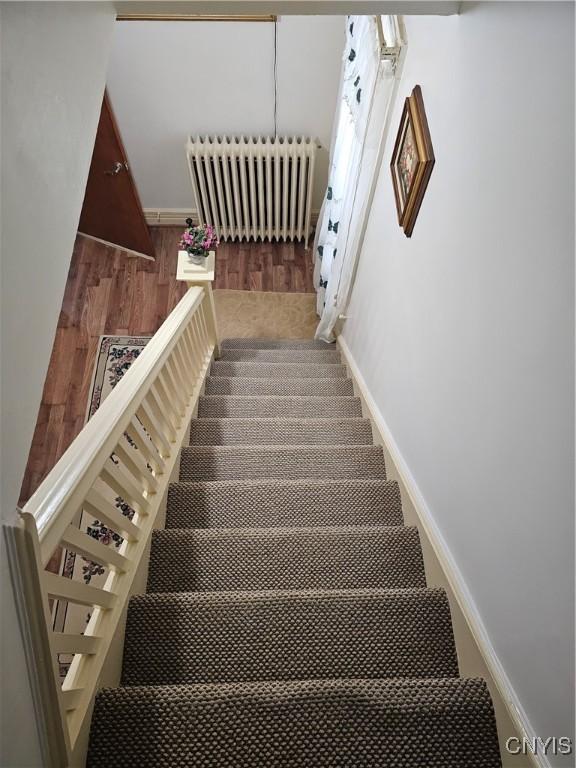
(169, 80)
(54, 58)
(464, 333)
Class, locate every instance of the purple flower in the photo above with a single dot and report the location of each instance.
(198, 239)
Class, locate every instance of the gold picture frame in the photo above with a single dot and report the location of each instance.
(412, 161)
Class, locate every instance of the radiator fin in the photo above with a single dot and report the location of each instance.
(259, 189)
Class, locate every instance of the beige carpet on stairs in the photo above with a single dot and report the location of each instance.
(287, 621)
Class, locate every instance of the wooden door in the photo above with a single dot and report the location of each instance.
(112, 211)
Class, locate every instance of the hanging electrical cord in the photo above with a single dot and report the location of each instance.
(276, 77)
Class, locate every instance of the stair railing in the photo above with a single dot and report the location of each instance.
(117, 470)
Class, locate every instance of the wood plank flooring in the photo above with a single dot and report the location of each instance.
(284, 267)
(110, 293)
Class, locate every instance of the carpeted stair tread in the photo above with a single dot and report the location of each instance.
(278, 406)
(314, 356)
(287, 622)
(276, 503)
(235, 636)
(351, 557)
(275, 344)
(284, 462)
(265, 431)
(238, 385)
(446, 723)
(281, 370)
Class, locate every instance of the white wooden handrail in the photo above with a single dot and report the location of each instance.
(128, 449)
(75, 472)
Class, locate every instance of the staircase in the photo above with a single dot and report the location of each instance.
(287, 620)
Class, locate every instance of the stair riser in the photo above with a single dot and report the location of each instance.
(279, 503)
(278, 370)
(385, 558)
(199, 464)
(220, 639)
(214, 407)
(305, 356)
(276, 344)
(221, 385)
(279, 432)
(399, 724)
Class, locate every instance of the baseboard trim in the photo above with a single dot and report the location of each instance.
(169, 217)
(176, 217)
(452, 573)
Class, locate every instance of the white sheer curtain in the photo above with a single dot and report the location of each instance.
(337, 238)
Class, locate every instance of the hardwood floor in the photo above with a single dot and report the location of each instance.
(110, 293)
(284, 267)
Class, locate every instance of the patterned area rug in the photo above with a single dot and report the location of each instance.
(115, 356)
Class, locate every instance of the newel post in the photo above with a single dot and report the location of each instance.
(32, 608)
(202, 275)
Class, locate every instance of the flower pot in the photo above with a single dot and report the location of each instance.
(197, 258)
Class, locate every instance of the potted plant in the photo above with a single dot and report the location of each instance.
(198, 241)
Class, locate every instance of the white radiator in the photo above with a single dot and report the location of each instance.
(253, 188)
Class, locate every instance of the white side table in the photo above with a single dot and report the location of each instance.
(203, 277)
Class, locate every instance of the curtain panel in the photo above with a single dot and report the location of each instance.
(360, 69)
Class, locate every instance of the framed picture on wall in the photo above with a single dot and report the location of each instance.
(412, 160)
